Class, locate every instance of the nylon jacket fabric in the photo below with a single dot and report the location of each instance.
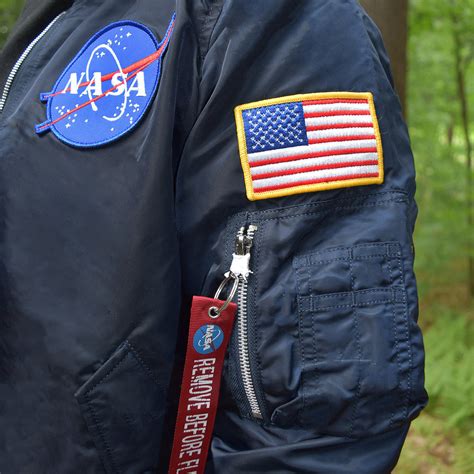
(102, 249)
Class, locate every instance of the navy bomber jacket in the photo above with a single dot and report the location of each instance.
(138, 140)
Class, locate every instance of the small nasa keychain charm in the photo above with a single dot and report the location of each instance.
(107, 88)
(210, 328)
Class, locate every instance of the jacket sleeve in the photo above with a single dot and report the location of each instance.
(325, 366)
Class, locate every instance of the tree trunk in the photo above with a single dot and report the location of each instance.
(461, 68)
(392, 18)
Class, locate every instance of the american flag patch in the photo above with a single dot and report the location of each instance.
(309, 142)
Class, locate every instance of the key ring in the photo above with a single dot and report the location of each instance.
(214, 312)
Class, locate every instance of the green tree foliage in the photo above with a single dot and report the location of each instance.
(9, 11)
(441, 47)
(437, 133)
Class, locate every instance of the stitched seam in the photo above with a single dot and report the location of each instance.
(333, 210)
(319, 308)
(348, 293)
(140, 360)
(109, 373)
(368, 257)
(130, 351)
(316, 309)
(341, 259)
(317, 357)
(101, 433)
(405, 306)
(323, 252)
(369, 290)
(325, 204)
(258, 385)
(310, 286)
(317, 262)
(359, 351)
(395, 333)
(301, 409)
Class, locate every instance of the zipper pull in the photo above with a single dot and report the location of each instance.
(240, 266)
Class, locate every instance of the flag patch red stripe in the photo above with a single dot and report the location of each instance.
(316, 128)
(284, 159)
(335, 114)
(313, 141)
(314, 168)
(333, 101)
(315, 181)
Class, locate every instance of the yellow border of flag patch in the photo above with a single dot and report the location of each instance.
(254, 196)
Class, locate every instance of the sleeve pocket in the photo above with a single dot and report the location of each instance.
(354, 339)
(122, 405)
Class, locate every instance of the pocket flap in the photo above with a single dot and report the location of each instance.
(123, 406)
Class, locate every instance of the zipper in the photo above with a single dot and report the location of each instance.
(21, 60)
(240, 269)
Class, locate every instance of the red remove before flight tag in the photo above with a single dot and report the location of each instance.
(207, 343)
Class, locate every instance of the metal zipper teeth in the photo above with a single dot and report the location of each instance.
(21, 60)
(243, 344)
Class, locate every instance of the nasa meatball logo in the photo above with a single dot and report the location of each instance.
(208, 338)
(107, 88)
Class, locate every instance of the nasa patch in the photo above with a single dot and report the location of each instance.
(208, 338)
(107, 88)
